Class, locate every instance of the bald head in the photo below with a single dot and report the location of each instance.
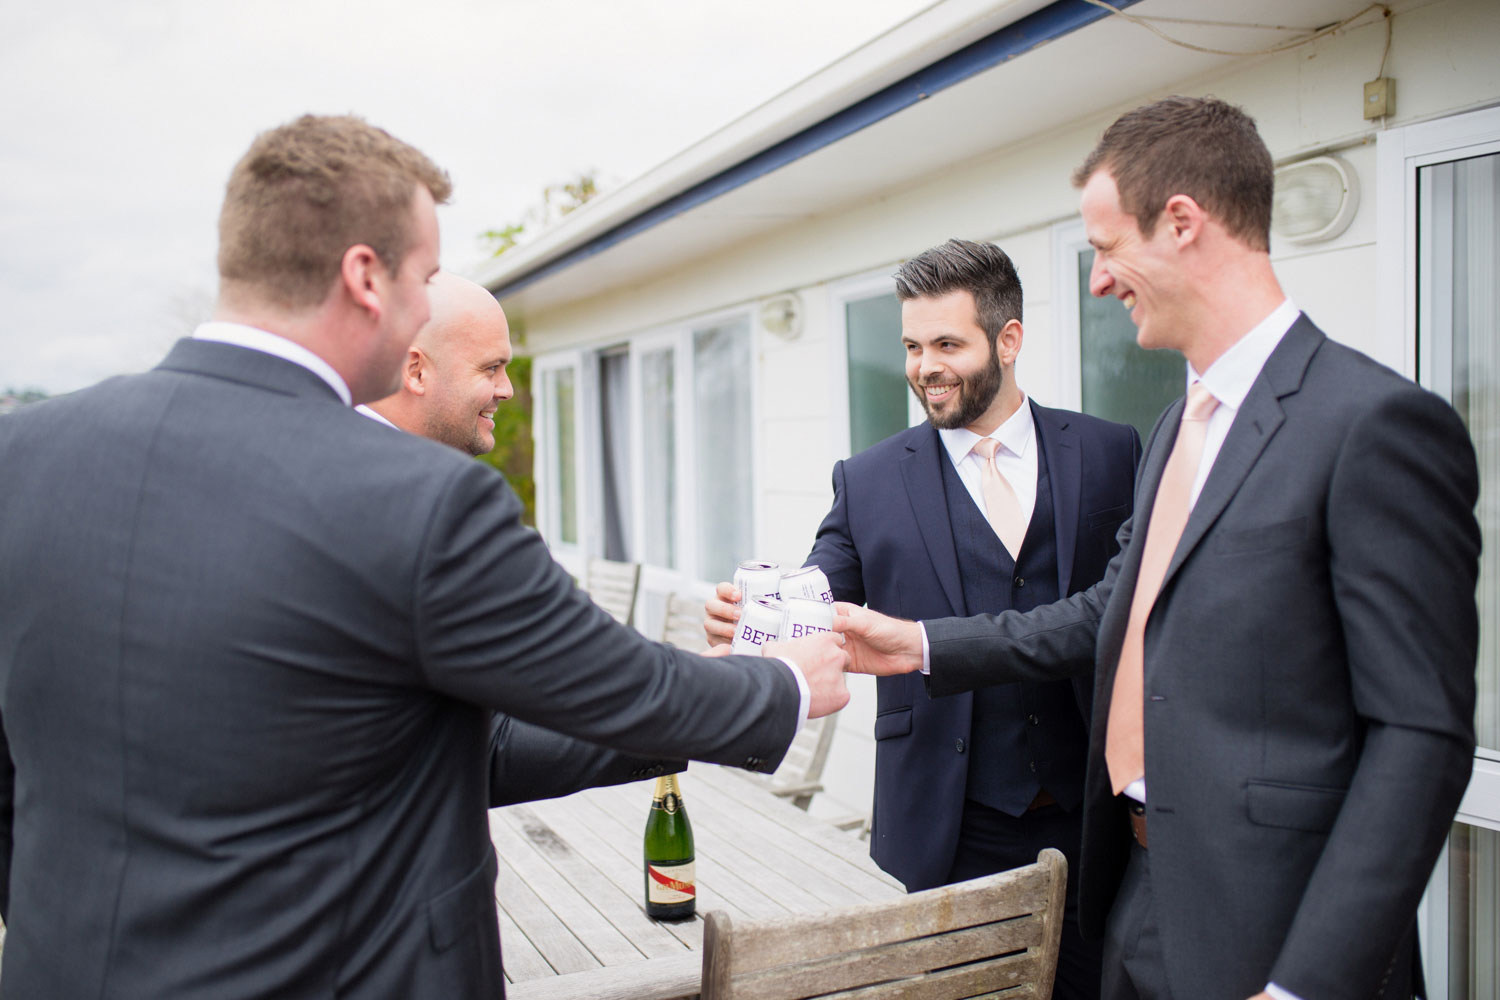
(454, 373)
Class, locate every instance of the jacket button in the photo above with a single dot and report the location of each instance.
(1020, 582)
(1033, 767)
(1032, 720)
(958, 746)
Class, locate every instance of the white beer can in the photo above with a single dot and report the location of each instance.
(757, 579)
(805, 616)
(808, 582)
(760, 623)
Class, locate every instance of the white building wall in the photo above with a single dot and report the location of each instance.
(1306, 101)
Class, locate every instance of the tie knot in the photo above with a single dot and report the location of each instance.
(1200, 403)
(986, 447)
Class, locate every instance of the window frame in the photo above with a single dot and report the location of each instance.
(1400, 154)
(865, 285)
(572, 555)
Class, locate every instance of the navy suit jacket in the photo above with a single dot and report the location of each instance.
(887, 543)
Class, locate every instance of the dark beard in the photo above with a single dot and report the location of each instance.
(975, 394)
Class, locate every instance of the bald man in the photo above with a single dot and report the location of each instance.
(454, 373)
(452, 380)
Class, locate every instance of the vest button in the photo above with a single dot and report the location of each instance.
(1032, 720)
(958, 746)
(1020, 582)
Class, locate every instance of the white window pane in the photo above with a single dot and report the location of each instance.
(1121, 381)
(1473, 913)
(1460, 241)
(659, 457)
(614, 453)
(563, 517)
(721, 429)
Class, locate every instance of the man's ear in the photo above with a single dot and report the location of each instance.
(362, 273)
(1008, 342)
(415, 371)
(1185, 217)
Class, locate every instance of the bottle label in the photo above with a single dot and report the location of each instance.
(670, 883)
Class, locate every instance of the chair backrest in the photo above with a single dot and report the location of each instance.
(682, 622)
(800, 774)
(613, 586)
(995, 936)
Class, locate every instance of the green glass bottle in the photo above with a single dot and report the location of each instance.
(671, 888)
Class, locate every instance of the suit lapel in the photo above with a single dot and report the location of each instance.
(923, 476)
(1059, 444)
(1257, 421)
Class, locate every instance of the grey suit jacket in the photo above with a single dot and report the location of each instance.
(250, 643)
(1309, 681)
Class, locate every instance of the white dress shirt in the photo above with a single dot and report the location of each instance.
(1015, 458)
(269, 343)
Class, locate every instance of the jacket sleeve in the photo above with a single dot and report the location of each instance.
(498, 623)
(528, 762)
(1404, 562)
(833, 549)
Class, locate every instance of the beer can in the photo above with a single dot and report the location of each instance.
(808, 582)
(760, 623)
(757, 579)
(805, 616)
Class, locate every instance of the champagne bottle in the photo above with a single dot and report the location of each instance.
(671, 889)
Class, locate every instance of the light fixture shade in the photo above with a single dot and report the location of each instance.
(1314, 200)
(782, 316)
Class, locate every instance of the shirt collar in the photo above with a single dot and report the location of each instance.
(1230, 377)
(255, 339)
(1015, 435)
(374, 415)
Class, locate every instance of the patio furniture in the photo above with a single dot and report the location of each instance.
(995, 936)
(799, 776)
(682, 622)
(613, 586)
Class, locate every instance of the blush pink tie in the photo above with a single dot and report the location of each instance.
(1124, 743)
(1001, 508)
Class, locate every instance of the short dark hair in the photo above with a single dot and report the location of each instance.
(981, 269)
(1202, 147)
(308, 191)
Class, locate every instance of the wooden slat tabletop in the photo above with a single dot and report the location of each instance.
(571, 884)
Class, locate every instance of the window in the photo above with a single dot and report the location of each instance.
(1439, 243)
(614, 453)
(877, 370)
(1116, 380)
(721, 435)
(557, 484)
(658, 466)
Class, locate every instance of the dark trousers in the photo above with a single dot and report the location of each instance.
(991, 841)
(1133, 968)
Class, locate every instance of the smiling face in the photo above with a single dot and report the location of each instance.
(465, 377)
(1140, 271)
(950, 364)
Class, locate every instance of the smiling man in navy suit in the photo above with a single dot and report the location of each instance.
(976, 783)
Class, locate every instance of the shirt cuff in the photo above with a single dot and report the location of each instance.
(926, 651)
(1278, 993)
(804, 693)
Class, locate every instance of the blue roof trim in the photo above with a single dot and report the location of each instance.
(1051, 22)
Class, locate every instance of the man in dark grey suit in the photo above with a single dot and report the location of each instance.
(452, 380)
(250, 640)
(1293, 678)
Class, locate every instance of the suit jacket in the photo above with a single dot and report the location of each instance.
(529, 762)
(1309, 681)
(250, 644)
(888, 542)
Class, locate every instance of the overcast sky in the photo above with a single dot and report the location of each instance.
(122, 118)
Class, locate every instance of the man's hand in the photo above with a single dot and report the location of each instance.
(823, 661)
(722, 615)
(878, 644)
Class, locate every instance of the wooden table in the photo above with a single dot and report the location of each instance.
(571, 883)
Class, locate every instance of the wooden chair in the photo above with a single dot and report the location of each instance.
(799, 777)
(995, 936)
(682, 622)
(613, 586)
